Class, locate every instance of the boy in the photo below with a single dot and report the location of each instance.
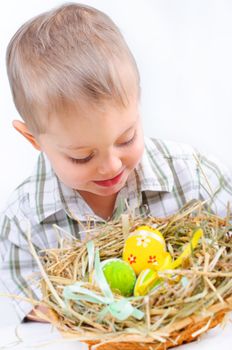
(76, 85)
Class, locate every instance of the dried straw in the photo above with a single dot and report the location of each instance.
(173, 312)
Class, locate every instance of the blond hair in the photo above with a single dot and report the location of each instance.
(71, 54)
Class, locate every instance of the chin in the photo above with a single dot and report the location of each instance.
(107, 192)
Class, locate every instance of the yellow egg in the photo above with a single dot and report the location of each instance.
(145, 249)
(145, 282)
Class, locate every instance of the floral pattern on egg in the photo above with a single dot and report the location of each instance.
(144, 248)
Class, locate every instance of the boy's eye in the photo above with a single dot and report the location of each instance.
(87, 159)
(81, 160)
(127, 143)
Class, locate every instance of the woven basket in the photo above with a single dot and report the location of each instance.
(183, 327)
(184, 331)
(177, 338)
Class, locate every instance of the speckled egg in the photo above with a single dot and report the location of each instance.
(145, 249)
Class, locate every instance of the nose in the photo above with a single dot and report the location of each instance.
(110, 166)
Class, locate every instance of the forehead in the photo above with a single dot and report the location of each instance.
(76, 124)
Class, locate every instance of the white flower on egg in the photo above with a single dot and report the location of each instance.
(143, 240)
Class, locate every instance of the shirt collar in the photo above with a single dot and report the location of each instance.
(48, 195)
(154, 169)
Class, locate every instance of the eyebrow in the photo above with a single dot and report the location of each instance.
(74, 147)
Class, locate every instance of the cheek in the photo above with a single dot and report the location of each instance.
(135, 153)
(71, 174)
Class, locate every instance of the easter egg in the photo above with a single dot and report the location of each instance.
(120, 276)
(167, 262)
(146, 280)
(145, 249)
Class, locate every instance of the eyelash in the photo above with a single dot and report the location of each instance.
(127, 143)
(87, 159)
(82, 161)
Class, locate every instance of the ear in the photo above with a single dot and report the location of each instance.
(23, 130)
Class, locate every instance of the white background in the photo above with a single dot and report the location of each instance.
(184, 52)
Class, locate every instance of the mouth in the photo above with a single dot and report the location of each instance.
(110, 182)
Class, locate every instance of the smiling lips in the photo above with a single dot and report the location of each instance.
(110, 182)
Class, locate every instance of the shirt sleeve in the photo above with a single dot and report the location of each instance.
(215, 185)
(18, 269)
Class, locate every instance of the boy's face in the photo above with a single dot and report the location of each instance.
(95, 151)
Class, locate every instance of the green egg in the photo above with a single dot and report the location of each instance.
(120, 276)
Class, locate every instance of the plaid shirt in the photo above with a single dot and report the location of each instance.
(168, 175)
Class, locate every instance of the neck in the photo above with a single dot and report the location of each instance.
(102, 206)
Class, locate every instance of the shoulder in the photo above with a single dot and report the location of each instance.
(169, 149)
(15, 211)
(181, 155)
(18, 201)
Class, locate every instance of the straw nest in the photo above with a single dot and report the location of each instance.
(174, 313)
